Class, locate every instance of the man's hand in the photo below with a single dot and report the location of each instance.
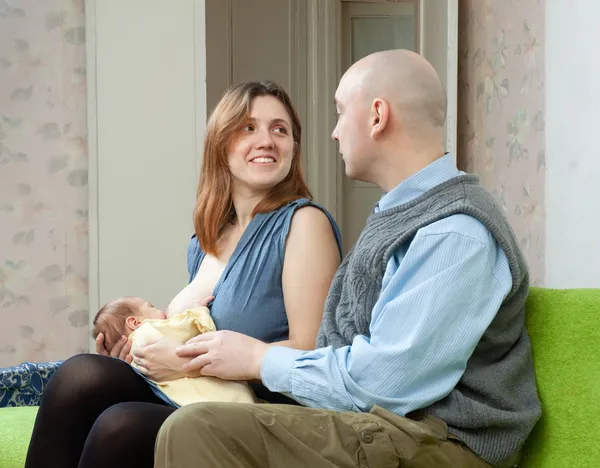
(120, 350)
(158, 360)
(225, 354)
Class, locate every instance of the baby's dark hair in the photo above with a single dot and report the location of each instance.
(110, 319)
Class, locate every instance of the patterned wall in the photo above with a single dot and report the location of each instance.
(501, 111)
(43, 180)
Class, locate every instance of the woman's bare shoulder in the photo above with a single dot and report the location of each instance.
(309, 218)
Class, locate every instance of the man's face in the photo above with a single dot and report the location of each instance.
(352, 130)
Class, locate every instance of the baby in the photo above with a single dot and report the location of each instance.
(143, 324)
(122, 317)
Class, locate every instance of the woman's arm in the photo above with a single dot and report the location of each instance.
(311, 259)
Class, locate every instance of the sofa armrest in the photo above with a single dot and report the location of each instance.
(23, 385)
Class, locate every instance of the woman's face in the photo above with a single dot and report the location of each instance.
(260, 155)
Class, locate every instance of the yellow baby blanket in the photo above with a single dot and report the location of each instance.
(184, 391)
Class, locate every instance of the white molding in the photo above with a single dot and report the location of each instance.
(323, 67)
(200, 115)
(229, 36)
(451, 64)
(452, 77)
(92, 143)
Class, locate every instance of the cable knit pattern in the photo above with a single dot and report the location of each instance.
(495, 404)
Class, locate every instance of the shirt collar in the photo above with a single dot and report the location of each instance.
(434, 174)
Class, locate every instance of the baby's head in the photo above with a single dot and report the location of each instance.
(121, 317)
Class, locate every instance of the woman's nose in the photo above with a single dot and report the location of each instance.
(264, 139)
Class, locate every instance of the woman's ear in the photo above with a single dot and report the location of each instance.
(132, 322)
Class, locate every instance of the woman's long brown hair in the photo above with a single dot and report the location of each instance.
(214, 205)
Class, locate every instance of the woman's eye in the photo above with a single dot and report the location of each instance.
(280, 130)
(248, 128)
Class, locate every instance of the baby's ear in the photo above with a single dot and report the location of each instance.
(133, 322)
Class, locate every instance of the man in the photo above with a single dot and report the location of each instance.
(422, 358)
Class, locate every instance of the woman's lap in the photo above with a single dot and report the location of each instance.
(95, 401)
(97, 411)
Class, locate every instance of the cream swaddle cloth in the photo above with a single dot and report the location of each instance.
(184, 391)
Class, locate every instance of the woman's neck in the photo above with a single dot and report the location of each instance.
(244, 202)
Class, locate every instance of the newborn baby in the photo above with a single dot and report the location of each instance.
(144, 324)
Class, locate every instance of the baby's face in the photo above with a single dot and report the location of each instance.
(146, 310)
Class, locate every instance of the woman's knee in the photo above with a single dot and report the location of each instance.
(80, 376)
(128, 424)
(114, 423)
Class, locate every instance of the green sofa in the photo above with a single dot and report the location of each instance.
(564, 327)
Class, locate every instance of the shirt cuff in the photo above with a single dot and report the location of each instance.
(277, 366)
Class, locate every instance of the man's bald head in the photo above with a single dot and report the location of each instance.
(391, 111)
(406, 81)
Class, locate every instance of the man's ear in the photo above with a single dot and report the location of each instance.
(132, 322)
(380, 115)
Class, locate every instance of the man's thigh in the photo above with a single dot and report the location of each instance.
(240, 435)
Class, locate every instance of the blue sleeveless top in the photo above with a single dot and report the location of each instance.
(249, 295)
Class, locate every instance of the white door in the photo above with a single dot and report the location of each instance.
(427, 27)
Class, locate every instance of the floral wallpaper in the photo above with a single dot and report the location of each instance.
(43, 181)
(501, 111)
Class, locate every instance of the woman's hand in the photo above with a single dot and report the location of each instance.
(224, 354)
(120, 350)
(158, 361)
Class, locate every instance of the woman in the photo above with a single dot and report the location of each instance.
(261, 248)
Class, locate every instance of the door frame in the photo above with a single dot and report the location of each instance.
(323, 166)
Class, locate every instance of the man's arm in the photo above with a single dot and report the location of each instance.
(432, 312)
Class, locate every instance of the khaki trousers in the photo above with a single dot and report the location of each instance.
(224, 435)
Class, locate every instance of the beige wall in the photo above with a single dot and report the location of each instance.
(43, 181)
(501, 91)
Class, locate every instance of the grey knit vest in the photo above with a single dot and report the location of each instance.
(495, 404)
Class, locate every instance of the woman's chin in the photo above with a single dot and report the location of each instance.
(262, 184)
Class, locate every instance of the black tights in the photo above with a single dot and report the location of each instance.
(96, 412)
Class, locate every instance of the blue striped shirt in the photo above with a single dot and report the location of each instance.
(439, 294)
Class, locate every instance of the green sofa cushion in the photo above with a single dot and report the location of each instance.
(16, 425)
(564, 327)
